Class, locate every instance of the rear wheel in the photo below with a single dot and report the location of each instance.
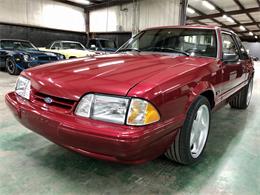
(242, 99)
(192, 137)
(11, 67)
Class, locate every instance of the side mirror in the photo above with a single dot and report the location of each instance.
(230, 57)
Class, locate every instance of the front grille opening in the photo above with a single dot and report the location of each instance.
(57, 102)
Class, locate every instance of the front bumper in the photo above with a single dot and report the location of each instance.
(102, 140)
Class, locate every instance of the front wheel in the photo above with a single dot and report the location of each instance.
(11, 67)
(192, 137)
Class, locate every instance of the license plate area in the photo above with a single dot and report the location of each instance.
(40, 124)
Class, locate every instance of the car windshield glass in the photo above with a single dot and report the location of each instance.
(107, 44)
(193, 42)
(68, 45)
(17, 45)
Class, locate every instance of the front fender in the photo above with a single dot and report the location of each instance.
(200, 88)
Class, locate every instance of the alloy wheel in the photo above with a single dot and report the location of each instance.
(249, 92)
(199, 131)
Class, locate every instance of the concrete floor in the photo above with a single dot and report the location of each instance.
(29, 164)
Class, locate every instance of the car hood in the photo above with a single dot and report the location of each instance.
(76, 51)
(110, 74)
(38, 53)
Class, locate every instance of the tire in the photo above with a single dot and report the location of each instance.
(241, 100)
(11, 67)
(183, 149)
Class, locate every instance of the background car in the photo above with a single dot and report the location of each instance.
(17, 55)
(70, 49)
(102, 45)
(255, 58)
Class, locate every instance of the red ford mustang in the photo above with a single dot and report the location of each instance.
(154, 96)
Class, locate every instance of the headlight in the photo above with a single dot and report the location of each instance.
(61, 57)
(119, 110)
(26, 58)
(23, 87)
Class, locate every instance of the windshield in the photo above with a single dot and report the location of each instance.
(107, 44)
(69, 45)
(193, 42)
(17, 45)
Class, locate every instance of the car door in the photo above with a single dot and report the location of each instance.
(244, 58)
(233, 65)
(3, 54)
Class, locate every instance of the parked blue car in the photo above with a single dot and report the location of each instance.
(17, 55)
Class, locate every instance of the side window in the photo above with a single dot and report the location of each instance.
(56, 46)
(229, 48)
(92, 44)
(242, 50)
(228, 44)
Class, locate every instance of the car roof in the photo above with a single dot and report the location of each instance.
(209, 27)
(101, 39)
(66, 41)
(15, 40)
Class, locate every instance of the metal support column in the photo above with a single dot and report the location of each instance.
(183, 7)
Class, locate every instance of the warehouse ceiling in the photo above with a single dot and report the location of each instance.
(94, 4)
(242, 16)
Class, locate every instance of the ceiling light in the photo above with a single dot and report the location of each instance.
(190, 10)
(256, 37)
(229, 19)
(208, 5)
(83, 2)
(250, 33)
(242, 28)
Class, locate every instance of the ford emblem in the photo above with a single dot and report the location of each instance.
(48, 100)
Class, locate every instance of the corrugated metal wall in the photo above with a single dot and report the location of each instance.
(253, 48)
(129, 17)
(43, 13)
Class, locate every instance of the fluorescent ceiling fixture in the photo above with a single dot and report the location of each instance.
(229, 19)
(83, 2)
(208, 5)
(250, 33)
(242, 28)
(190, 10)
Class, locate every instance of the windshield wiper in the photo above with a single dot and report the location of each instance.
(162, 49)
(175, 51)
(128, 49)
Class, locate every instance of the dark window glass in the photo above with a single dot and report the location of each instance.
(92, 42)
(68, 45)
(107, 44)
(56, 46)
(228, 44)
(244, 54)
(17, 45)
